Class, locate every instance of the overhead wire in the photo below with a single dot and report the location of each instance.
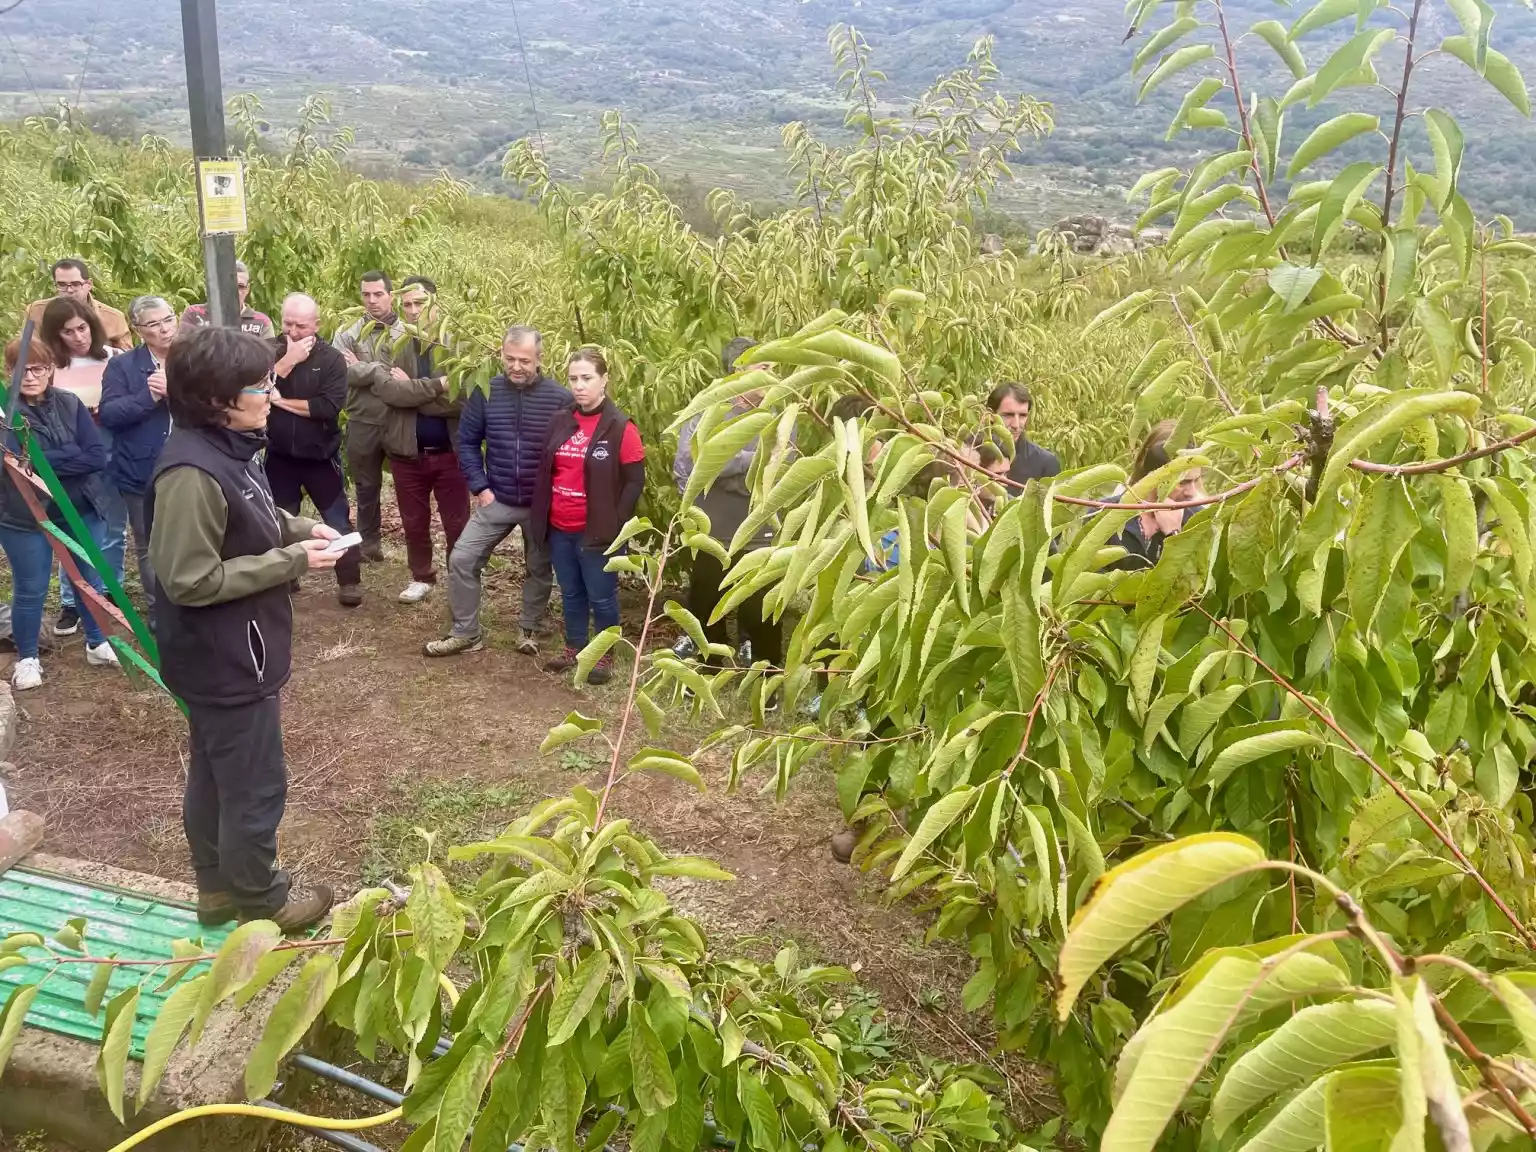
(528, 75)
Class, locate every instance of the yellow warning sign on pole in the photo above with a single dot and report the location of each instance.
(221, 196)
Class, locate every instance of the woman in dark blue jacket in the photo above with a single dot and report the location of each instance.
(134, 411)
(62, 427)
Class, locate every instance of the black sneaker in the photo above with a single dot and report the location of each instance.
(744, 654)
(685, 648)
(68, 622)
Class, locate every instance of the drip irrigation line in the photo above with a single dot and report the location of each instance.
(338, 1075)
(336, 1139)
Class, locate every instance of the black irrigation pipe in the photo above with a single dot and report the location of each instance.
(337, 1075)
(386, 1095)
(339, 1139)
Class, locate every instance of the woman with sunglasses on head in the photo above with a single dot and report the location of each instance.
(590, 479)
(59, 424)
(224, 554)
(74, 334)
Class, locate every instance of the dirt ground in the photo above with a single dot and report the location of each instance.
(380, 738)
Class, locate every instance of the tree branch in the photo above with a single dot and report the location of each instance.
(1365, 757)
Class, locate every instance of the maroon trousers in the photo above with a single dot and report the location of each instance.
(417, 481)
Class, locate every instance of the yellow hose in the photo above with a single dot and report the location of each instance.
(285, 1117)
(257, 1111)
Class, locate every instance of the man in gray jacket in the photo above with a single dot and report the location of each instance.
(727, 504)
(369, 348)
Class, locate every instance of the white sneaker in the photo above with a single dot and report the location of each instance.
(415, 592)
(28, 673)
(101, 656)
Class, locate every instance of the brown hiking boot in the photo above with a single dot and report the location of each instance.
(602, 671)
(563, 662)
(527, 642)
(350, 595)
(215, 908)
(372, 551)
(305, 907)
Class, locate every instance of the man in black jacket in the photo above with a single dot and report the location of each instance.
(1013, 403)
(304, 438)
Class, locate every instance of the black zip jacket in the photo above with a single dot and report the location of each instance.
(322, 380)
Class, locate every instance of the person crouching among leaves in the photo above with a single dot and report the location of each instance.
(590, 479)
(1145, 533)
(224, 555)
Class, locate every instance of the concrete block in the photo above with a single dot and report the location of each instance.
(50, 1083)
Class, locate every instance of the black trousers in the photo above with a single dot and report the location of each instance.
(704, 593)
(291, 477)
(237, 787)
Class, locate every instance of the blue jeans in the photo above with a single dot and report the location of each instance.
(31, 560)
(110, 535)
(585, 588)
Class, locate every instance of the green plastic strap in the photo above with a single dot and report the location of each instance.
(128, 652)
(65, 539)
(84, 544)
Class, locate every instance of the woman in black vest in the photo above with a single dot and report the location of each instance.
(225, 555)
(590, 478)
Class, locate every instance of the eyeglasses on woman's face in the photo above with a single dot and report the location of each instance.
(263, 388)
(38, 371)
(159, 325)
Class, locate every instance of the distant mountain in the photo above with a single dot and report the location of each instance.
(432, 83)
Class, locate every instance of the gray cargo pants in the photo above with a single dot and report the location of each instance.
(488, 526)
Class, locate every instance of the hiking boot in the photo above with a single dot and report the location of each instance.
(349, 595)
(527, 641)
(68, 622)
(453, 645)
(215, 908)
(563, 662)
(305, 906)
(372, 551)
(602, 671)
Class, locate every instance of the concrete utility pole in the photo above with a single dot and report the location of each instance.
(205, 101)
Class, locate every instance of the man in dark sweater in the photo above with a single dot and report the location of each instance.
(502, 435)
(304, 435)
(224, 555)
(1012, 404)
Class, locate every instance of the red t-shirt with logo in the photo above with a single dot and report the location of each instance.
(568, 482)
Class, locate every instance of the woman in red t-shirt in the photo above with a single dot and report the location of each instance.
(590, 480)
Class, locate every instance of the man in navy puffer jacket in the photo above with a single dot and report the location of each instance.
(501, 440)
